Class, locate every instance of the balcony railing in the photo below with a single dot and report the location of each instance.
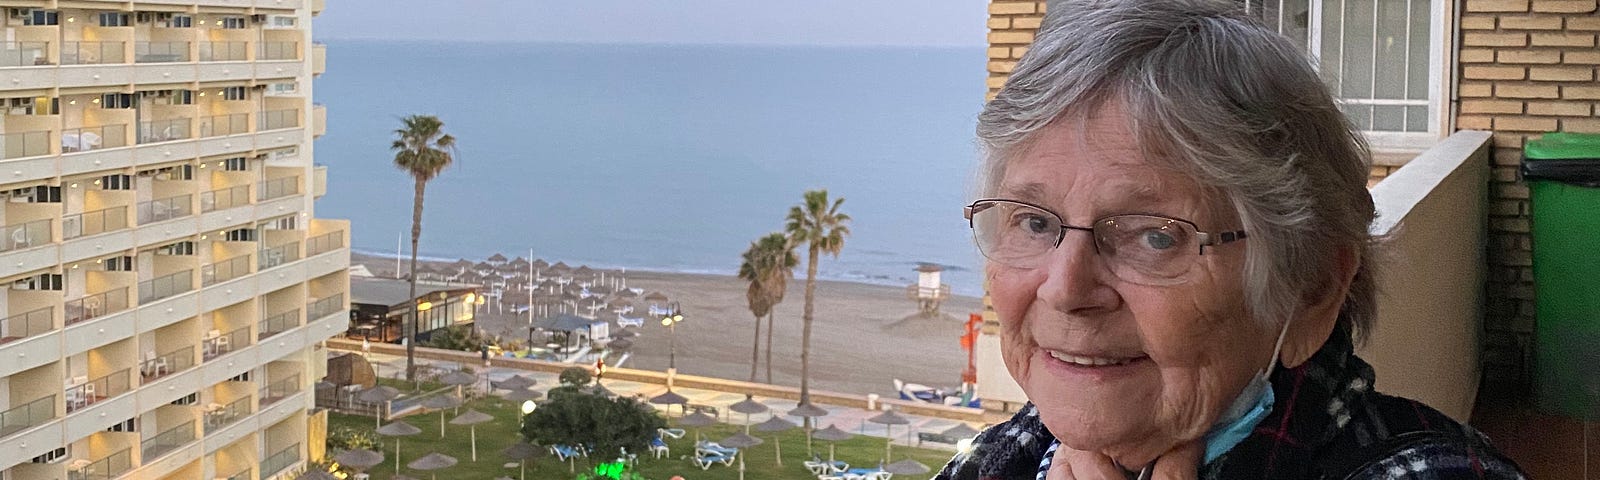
(94, 223)
(24, 54)
(168, 440)
(277, 188)
(324, 243)
(278, 51)
(164, 130)
(27, 415)
(220, 343)
(97, 305)
(325, 306)
(246, 473)
(165, 286)
(279, 255)
(92, 53)
(277, 324)
(279, 390)
(224, 51)
(107, 468)
(178, 206)
(94, 138)
(26, 235)
(93, 391)
(154, 366)
(160, 52)
(218, 416)
(225, 270)
(225, 198)
(25, 144)
(24, 325)
(219, 125)
(276, 119)
(280, 460)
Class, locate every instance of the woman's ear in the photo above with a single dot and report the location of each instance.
(1309, 330)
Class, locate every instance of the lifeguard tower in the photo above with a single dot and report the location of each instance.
(928, 292)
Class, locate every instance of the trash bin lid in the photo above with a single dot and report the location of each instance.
(1566, 157)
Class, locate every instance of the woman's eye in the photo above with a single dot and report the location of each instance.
(1031, 223)
(1159, 240)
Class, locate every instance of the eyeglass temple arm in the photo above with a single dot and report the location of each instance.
(1211, 239)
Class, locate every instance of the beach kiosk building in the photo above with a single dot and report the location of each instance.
(379, 308)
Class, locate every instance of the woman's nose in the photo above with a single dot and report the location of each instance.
(1076, 278)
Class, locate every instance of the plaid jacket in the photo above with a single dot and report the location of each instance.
(1328, 424)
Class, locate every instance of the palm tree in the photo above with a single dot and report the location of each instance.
(768, 266)
(423, 150)
(818, 224)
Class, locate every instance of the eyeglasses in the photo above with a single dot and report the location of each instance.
(1138, 248)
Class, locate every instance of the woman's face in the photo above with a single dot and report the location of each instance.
(1129, 370)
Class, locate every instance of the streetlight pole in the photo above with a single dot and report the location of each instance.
(671, 321)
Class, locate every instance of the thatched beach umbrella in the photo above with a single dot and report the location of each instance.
(471, 419)
(670, 398)
(359, 459)
(776, 424)
(397, 429)
(906, 467)
(748, 406)
(832, 435)
(560, 267)
(696, 420)
(808, 411)
(376, 396)
(741, 442)
(442, 402)
(458, 379)
(889, 419)
(521, 452)
(516, 382)
(655, 297)
(433, 461)
(497, 258)
(540, 264)
(316, 475)
(522, 395)
(961, 430)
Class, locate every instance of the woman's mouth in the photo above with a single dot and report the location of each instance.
(1088, 361)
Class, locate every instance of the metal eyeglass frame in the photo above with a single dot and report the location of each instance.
(1205, 239)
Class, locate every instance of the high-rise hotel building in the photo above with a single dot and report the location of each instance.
(167, 287)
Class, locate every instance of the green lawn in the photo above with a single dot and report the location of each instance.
(496, 435)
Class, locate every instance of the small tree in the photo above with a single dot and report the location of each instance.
(575, 377)
(607, 425)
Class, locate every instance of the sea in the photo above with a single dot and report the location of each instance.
(659, 157)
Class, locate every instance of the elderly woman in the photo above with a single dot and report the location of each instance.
(1175, 218)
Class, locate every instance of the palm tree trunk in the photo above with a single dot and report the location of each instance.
(805, 330)
(755, 352)
(411, 326)
(770, 328)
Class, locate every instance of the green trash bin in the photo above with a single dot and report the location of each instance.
(1563, 175)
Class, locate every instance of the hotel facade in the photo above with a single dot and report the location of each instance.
(167, 284)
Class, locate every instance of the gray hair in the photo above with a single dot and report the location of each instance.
(1216, 96)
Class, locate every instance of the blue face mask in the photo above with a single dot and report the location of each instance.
(1252, 405)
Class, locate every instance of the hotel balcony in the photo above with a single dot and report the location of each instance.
(319, 58)
(319, 181)
(32, 401)
(172, 59)
(319, 120)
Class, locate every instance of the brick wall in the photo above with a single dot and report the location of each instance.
(1527, 66)
(1011, 27)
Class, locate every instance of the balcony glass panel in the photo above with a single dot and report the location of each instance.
(94, 223)
(25, 144)
(280, 460)
(94, 138)
(92, 53)
(278, 51)
(157, 366)
(97, 305)
(279, 390)
(278, 323)
(166, 286)
(24, 54)
(224, 51)
(219, 125)
(325, 306)
(168, 440)
(24, 325)
(246, 473)
(324, 243)
(27, 235)
(93, 391)
(277, 188)
(160, 52)
(165, 209)
(276, 119)
(27, 415)
(164, 130)
(279, 255)
(225, 270)
(217, 343)
(107, 468)
(218, 416)
(225, 198)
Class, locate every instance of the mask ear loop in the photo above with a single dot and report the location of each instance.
(1277, 349)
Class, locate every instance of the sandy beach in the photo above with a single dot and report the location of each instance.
(863, 337)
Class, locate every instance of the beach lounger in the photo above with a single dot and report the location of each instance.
(670, 432)
(713, 447)
(563, 452)
(705, 460)
(821, 467)
(659, 448)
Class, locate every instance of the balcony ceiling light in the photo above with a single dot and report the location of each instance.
(96, 100)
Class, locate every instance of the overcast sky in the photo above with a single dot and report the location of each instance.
(803, 22)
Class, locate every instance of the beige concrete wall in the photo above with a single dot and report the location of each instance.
(1430, 306)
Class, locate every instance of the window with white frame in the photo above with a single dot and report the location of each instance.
(1383, 59)
(233, 93)
(232, 23)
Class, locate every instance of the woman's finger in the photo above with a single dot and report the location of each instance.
(1182, 463)
(1091, 465)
